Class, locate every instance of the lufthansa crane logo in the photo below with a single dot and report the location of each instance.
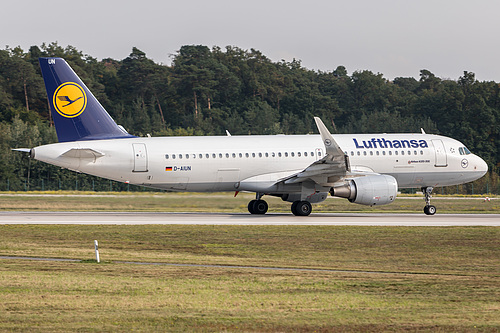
(70, 100)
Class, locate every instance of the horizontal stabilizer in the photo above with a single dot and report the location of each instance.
(24, 150)
(83, 153)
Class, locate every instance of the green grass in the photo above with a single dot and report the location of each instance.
(436, 279)
(221, 202)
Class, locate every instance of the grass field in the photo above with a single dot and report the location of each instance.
(430, 279)
(386, 279)
(222, 202)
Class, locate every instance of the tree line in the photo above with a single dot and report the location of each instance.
(206, 91)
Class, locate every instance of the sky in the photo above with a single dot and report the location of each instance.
(396, 38)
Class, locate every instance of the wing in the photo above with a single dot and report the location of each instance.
(330, 169)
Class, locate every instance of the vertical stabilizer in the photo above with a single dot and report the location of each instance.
(77, 114)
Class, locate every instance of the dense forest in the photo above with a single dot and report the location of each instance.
(207, 91)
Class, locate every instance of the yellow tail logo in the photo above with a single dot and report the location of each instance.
(70, 100)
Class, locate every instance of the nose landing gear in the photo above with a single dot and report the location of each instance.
(428, 209)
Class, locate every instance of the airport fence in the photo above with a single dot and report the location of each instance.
(80, 182)
(83, 185)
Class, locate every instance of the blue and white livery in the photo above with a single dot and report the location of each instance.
(366, 169)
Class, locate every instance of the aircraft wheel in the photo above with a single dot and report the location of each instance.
(301, 208)
(430, 210)
(260, 207)
(251, 205)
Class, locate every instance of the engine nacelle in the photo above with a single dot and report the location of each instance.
(368, 190)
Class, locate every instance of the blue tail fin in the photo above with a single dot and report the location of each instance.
(77, 114)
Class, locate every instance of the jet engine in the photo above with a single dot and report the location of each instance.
(368, 190)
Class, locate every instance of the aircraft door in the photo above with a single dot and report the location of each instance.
(440, 153)
(140, 157)
(227, 179)
(319, 153)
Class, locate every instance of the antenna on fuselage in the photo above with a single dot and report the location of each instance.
(423, 132)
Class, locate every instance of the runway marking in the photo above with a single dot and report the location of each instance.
(299, 269)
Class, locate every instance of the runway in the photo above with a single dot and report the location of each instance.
(125, 218)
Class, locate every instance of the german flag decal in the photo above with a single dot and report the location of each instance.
(168, 168)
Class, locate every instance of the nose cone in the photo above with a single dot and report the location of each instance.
(481, 167)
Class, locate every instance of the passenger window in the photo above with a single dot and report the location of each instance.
(187, 156)
(396, 152)
(383, 152)
(267, 154)
(352, 153)
(180, 156)
(421, 152)
(200, 155)
(286, 154)
(371, 153)
(390, 152)
(402, 152)
(214, 156)
(364, 153)
(234, 155)
(378, 153)
(273, 154)
(414, 152)
(227, 155)
(167, 157)
(240, 155)
(246, 155)
(305, 154)
(299, 154)
(279, 154)
(293, 154)
(260, 154)
(173, 156)
(359, 153)
(253, 154)
(207, 155)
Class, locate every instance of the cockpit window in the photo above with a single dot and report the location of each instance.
(464, 151)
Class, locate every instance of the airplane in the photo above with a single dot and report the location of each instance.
(366, 169)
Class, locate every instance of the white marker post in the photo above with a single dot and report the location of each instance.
(96, 245)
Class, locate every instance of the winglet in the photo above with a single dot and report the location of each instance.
(331, 146)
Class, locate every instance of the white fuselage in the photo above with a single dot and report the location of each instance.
(256, 163)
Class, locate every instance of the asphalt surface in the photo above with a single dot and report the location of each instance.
(115, 218)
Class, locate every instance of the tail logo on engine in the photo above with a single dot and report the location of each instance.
(70, 100)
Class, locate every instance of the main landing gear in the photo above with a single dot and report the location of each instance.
(258, 206)
(428, 209)
(301, 208)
